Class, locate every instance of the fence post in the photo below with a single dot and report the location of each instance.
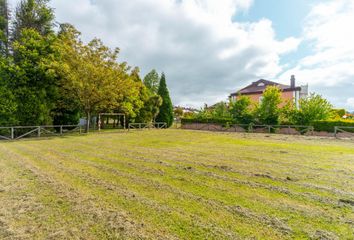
(80, 130)
(61, 130)
(124, 122)
(250, 128)
(335, 131)
(39, 131)
(268, 128)
(12, 133)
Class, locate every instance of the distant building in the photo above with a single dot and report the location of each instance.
(256, 89)
(187, 109)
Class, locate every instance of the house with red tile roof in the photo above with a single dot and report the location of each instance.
(288, 92)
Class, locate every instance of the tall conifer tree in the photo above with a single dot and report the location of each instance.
(166, 109)
(4, 28)
(33, 14)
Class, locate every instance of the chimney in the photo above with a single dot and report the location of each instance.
(292, 81)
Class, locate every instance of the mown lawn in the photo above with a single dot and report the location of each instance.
(176, 184)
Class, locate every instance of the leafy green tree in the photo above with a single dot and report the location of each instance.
(338, 113)
(220, 110)
(27, 70)
(241, 110)
(8, 107)
(151, 81)
(33, 79)
(33, 14)
(4, 28)
(91, 75)
(151, 108)
(131, 101)
(66, 111)
(268, 111)
(312, 108)
(151, 101)
(203, 113)
(166, 109)
(8, 104)
(178, 112)
(287, 113)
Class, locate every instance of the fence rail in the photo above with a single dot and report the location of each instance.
(142, 126)
(251, 128)
(338, 131)
(19, 132)
(344, 130)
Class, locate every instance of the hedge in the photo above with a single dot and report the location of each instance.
(328, 125)
(319, 126)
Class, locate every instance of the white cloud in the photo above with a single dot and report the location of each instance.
(350, 103)
(329, 69)
(204, 54)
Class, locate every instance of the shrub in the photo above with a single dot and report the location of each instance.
(313, 108)
(241, 110)
(328, 125)
(338, 113)
(220, 110)
(268, 112)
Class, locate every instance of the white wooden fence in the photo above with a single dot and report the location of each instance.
(19, 132)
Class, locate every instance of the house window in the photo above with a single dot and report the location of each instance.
(261, 85)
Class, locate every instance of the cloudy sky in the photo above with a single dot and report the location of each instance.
(210, 48)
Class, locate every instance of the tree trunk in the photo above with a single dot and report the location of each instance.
(88, 120)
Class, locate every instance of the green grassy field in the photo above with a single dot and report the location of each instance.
(176, 184)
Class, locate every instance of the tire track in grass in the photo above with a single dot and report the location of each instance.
(263, 163)
(103, 223)
(300, 187)
(99, 192)
(268, 184)
(205, 229)
(327, 194)
(31, 208)
(123, 144)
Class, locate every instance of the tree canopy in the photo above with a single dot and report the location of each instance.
(312, 108)
(166, 109)
(33, 14)
(241, 110)
(54, 78)
(4, 28)
(268, 110)
(90, 73)
(151, 81)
